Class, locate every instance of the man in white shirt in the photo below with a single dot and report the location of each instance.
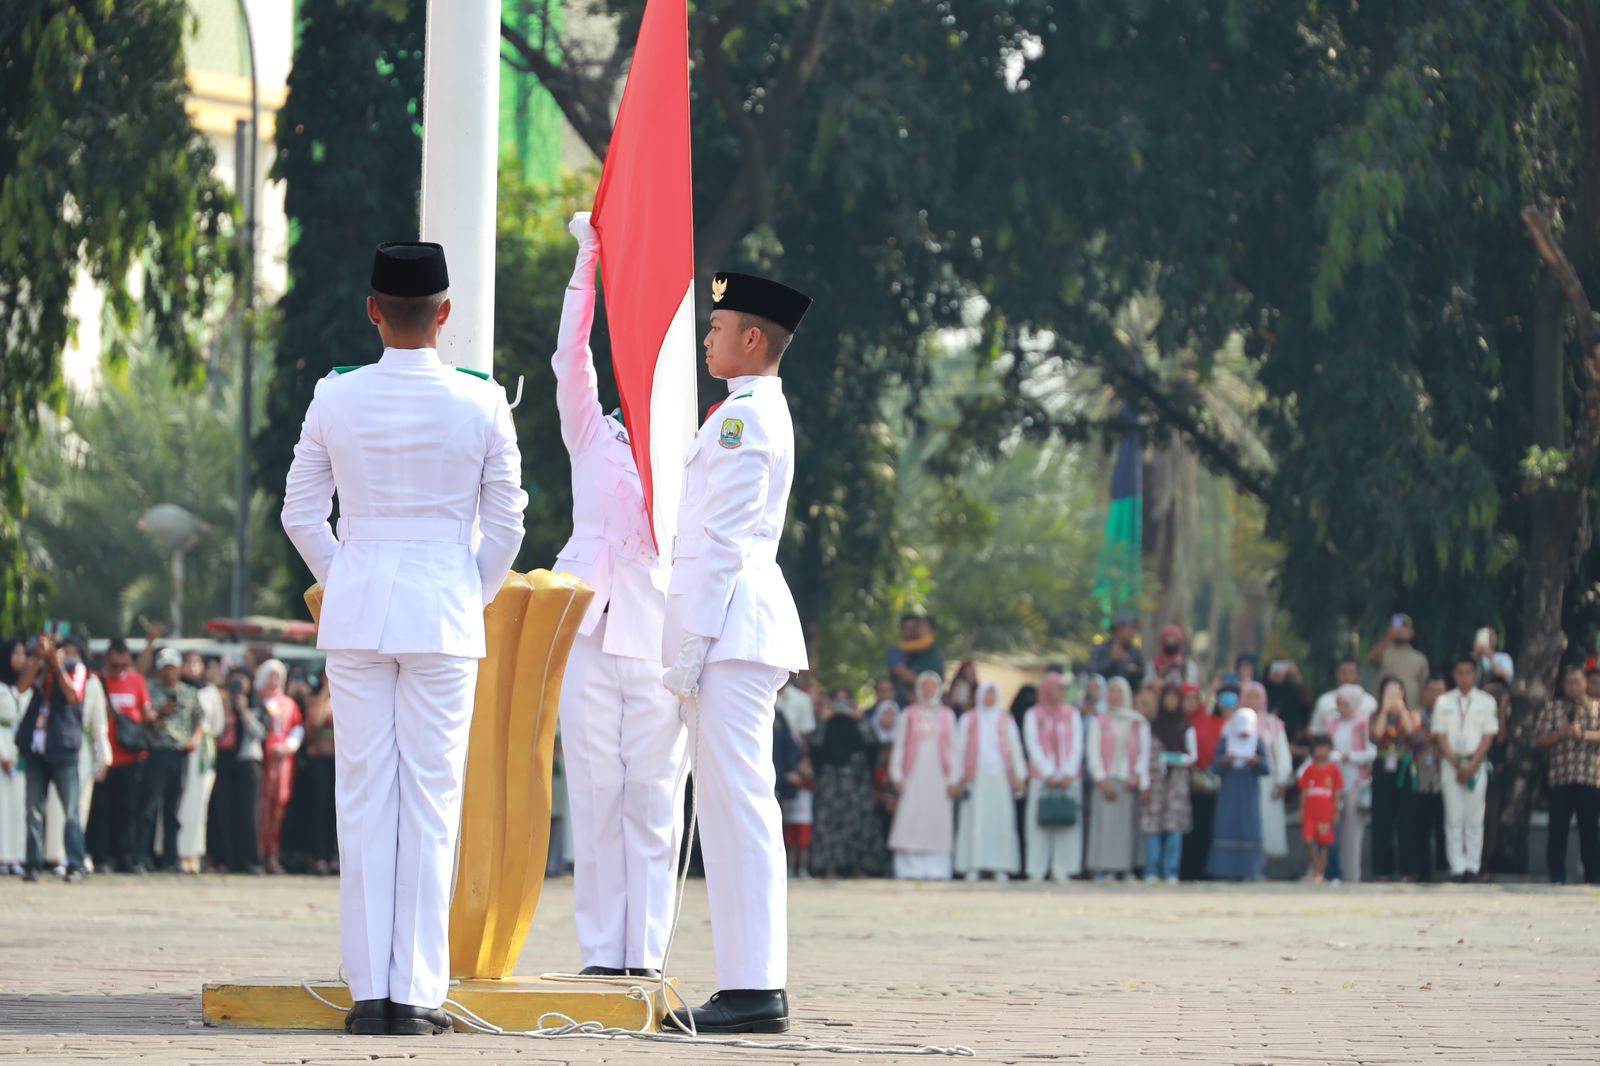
(419, 455)
(1465, 721)
(1348, 672)
(622, 738)
(732, 638)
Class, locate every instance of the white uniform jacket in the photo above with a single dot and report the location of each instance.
(416, 452)
(726, 583)
(612, 547)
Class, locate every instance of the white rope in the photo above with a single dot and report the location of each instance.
(553, 1025)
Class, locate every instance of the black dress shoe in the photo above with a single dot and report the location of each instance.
(739, 1010)
(367, 1017)
(601, 971)
(645, 972)
(407, 1020)
(30, 874)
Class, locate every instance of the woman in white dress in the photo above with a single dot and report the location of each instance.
(922, 766)
(994, 772)
(13, 787)
(201, 773)
(1051, 732)
(1117, 749)
(1275, 785)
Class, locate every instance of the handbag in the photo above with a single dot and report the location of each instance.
(131, 736)
(1058, 809)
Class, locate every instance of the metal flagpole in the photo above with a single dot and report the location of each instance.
(460, 149)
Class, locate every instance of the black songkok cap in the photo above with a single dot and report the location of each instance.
(758, 296)
(409, 268)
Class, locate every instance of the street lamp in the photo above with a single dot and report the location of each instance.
(175, 530)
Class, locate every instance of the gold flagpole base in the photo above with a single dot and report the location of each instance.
(515, 1004)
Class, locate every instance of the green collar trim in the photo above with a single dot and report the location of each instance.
(743, 395)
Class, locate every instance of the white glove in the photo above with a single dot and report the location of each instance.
(588, 251)
(683, 678)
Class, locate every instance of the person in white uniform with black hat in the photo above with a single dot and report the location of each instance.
(622, 738)
(417, 453)
(732, 638)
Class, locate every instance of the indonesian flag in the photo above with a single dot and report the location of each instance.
(644, 213)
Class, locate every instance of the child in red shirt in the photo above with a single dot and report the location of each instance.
(1321, 787)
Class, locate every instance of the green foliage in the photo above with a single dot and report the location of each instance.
(139, 440)
(1340, 186)
(350, 155)
(100, 172)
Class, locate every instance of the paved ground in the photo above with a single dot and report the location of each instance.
(110, 971)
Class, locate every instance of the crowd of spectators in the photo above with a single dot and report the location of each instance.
(174, 762)
(1141, 767)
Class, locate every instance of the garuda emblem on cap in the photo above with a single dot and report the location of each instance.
(719, 289)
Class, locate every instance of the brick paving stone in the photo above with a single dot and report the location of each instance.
(110, 971)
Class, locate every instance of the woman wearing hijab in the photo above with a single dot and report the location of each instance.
(1236, 837)
(1275, 785)
(1117, 748)
(1054, 742)
(13, 789)
(1090, 707)
(1168, 814)
(845, 835)
(994, 772)
(925, 773)
(1203, 783)
(1173, 657)
(284, 734)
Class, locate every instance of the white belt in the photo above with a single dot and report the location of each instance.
(437, 530)
(759, 550)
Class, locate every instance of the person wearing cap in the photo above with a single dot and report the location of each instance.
(731, 638)
(172, 730)
(1118, 654)
(416, 453)
(622, 739)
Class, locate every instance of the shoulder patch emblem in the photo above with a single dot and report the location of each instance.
(732, 434)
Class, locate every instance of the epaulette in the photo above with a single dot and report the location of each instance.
(347, 369)
(479, 374)
(743, 395)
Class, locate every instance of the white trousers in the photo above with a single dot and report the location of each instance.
(1057, 852)
(622, 744)
(741, 839)
(924, 865)
(402, 723)
(13, 817)
(196, 805)
(1463, 822)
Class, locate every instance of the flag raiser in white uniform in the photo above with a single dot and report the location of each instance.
(415, 452)
(622, 738)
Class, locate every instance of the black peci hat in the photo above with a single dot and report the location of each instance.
(766, 299)
(409, 268)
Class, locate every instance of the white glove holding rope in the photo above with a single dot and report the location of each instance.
(683, 678)
(588, 251)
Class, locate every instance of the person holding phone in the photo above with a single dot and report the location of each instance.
(172, 731)
(1568, 731)
(1394, 655)
(51, 737)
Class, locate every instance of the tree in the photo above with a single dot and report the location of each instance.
(1347, 187)
(350, 155)
(141, 440)
(100, 173)
(825, 136)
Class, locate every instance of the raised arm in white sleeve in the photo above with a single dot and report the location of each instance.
(577, 384)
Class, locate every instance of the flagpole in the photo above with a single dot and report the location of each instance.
(460, 150)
